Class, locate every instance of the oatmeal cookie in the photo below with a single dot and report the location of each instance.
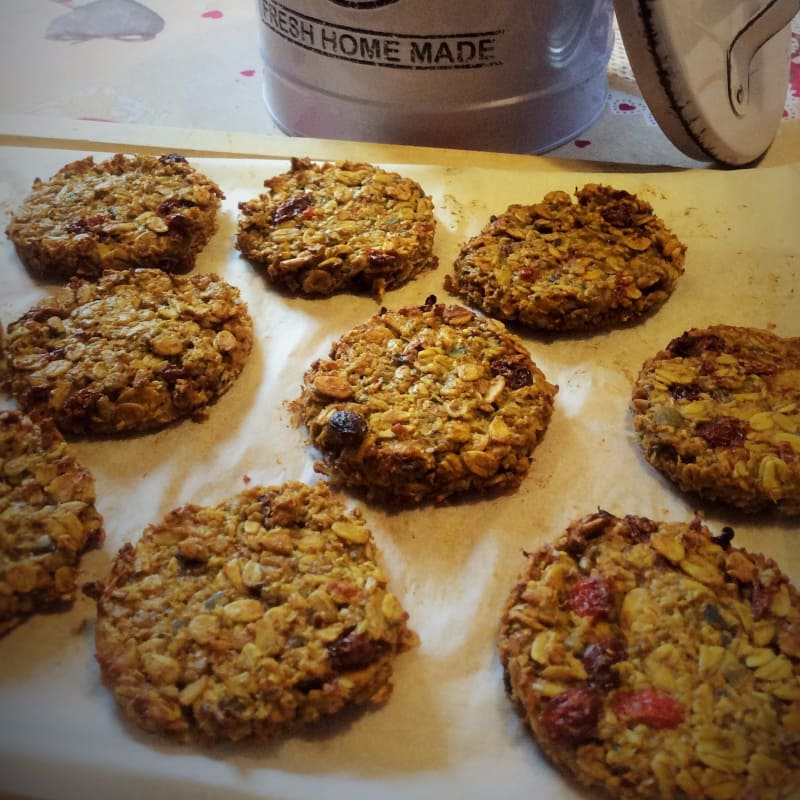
(561, 265)
(718, 412)
(131, 352)
(655, 660)
(48, 519)
(326, 228)
(246, 619)
(125, 212)
(426, 402)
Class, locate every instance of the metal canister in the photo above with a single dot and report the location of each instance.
(514, 75)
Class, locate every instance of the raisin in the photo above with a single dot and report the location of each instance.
(725, 537)
(172, 158)
(592, 597)
(355, 651)
(290, 208)
(598, 659)
(688, 345)
(514, 369)
(684, 391)
(178, 225)
(649, 707)
(80, 406)
(571, 716)
(345, 429)
(722, 432)
(640, 528)
(166, 207)
(579, 534)
(382, 259)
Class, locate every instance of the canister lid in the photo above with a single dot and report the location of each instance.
(714, 74)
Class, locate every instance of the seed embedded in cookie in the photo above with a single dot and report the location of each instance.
(425, 403)
(718, 412)
(656, 660)
(600, 261)
(131, 352)
(48, 519)
(125, 212)
(338, 226)
(249, 618)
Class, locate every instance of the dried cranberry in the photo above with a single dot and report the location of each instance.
(722, 432)
(290, 208)
(172, 374)
(382, 259)
(514, 369)
(355, 651)
(84, 224)
(598, 659)
(571, 716)
(592, 597)
(649, 707)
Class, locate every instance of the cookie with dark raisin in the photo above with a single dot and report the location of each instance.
(656, 660)
(319, 229)
(249, 618)
(718, 412)
(128, 211)
(599, 261)
(426, 403)
(48, 519)
(130, 352)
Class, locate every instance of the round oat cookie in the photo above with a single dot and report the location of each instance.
(718, 412)
(131, 352)
(48, 519)
(561, 265)
(655, 660)
(424, 403)
(125, 212)
(326, 228)
(249, 618)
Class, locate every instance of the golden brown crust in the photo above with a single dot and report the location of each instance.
(718, 412)
(133, 351)
(249, 618)
(47, 518)
(560, 265)
(425, 403)
(125, 212)
(654, 660)
(343, 226)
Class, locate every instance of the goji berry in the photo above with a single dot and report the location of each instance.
(649, 707)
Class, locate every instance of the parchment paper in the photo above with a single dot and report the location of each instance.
(448, 731)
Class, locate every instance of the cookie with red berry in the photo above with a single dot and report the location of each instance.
(657, 660)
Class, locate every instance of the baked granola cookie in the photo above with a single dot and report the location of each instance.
(249, 618)
(424, 403)
(718, 412)
(125, 212)
(47, 519)
(131, 352)
(345, 226)
(655, 660)
(562, 265)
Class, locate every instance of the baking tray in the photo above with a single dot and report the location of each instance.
(448, 730)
